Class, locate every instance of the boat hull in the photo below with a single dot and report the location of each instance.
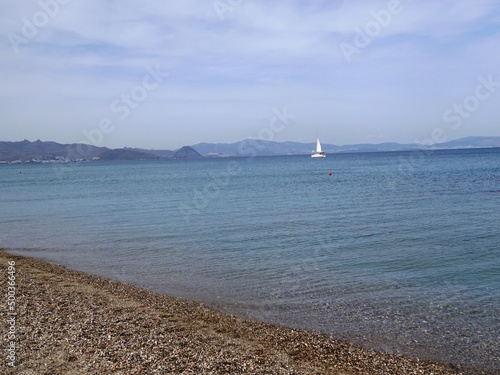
(318, 156)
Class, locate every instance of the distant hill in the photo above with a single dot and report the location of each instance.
(255, 147)
(186, 152)
(472, 142)
(38, 151)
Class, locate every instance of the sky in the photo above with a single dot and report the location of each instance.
(163, 74)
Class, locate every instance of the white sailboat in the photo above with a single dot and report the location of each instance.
(318, 153)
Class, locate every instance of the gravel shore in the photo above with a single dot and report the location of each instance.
(70, 322)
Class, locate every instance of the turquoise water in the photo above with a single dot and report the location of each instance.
(395, 251)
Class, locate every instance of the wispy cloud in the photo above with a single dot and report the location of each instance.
(225, 74)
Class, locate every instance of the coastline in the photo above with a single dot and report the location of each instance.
(69, 321)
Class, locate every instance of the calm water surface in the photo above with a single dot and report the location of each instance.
(394, 251)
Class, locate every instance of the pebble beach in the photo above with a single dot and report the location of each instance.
(69, 322)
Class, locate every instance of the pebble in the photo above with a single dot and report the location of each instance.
(71, 322)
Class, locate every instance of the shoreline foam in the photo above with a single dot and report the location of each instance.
(69, 321)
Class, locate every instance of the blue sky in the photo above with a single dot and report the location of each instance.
(349, 71)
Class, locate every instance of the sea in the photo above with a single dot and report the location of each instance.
(394, 251)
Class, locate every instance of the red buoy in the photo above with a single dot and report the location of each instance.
(329, 173)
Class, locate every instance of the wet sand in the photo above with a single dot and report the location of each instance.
(69, 322)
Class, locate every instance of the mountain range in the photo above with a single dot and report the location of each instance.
(254, 147)
(39, 151)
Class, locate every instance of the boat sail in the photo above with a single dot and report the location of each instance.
(318, 153)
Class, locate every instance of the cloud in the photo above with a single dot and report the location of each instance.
(260, 55)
